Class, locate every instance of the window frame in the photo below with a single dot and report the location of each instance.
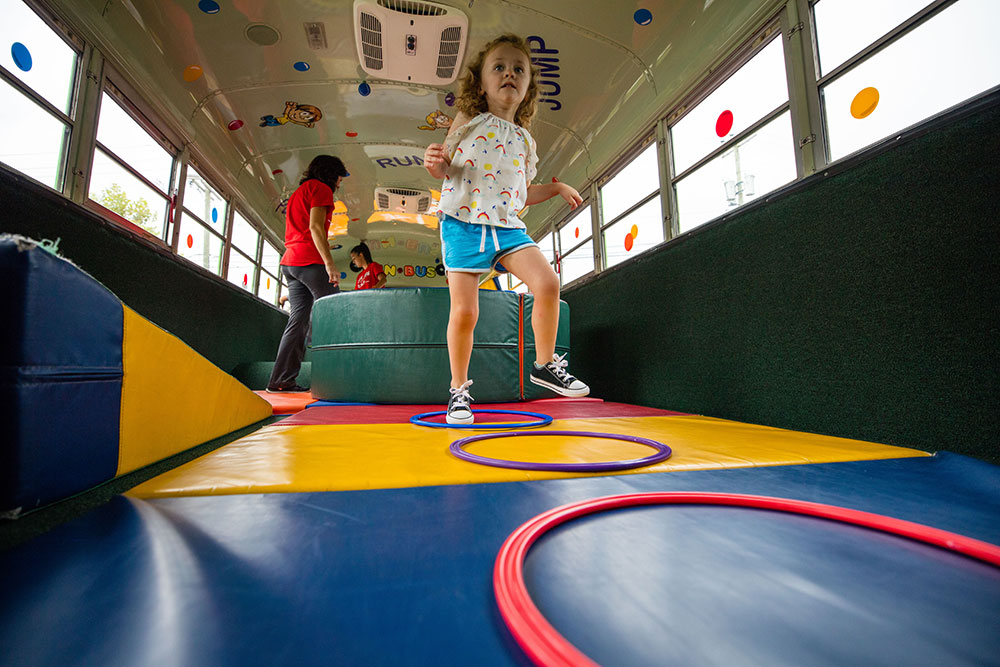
(64, 168)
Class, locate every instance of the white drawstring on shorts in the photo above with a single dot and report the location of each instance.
(482, 239)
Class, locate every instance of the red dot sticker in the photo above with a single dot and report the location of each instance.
(190, 241)
(235, 125)
(628, 242)
(277, 171)
(351, 134)
(724, 123)
(576, 232)
(245, 280)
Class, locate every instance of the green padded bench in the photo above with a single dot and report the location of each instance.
(390, 346)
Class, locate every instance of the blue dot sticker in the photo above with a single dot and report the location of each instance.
(301, 66)
(449, 99)
(209, 6)
(343, 274)
(215, 215)
(21, 55)
(643, 16)
(364, 89)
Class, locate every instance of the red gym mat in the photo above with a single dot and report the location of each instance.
(558, 408)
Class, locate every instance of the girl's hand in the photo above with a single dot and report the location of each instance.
(436, 160)
(570, 194)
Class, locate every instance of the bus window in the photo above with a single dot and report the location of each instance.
(736, 144)
(906, 76)
(630, 202)
(36, 95)
(131, 170)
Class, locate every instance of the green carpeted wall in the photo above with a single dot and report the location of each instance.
(223, 323)
(861, 302)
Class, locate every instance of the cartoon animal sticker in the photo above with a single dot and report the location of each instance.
(436, 120)
(305, 115)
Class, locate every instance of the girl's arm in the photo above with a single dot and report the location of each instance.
(437, 159)
(546, 191)
(380, 282)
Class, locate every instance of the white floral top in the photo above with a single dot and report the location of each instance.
(492, 163)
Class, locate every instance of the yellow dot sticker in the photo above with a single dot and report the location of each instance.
(473, 204)
(864, 103)
(516, 163)
(487, 166)
(490, 135)
(635, 231)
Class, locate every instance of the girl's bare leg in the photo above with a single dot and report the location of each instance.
(530, 265)
(464, 291)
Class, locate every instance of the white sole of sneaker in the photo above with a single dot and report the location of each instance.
(562, 391)
(457, 420)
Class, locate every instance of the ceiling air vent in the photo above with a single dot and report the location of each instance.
(402, 200)
(412, 7)
(370, 42)
(410, 40)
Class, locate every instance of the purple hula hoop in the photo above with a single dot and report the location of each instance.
(662, 452)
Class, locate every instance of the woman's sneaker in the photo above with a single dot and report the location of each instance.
(459, 411)
(554, 376)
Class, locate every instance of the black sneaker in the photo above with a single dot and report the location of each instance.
(459, 411)
(553, 376)
(286, 390)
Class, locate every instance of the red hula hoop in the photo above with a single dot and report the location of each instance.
(545, 646)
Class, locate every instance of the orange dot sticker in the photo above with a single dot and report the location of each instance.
(864, 103)
(576, 232)
(635, 231)
(268, 283)
(628, 242)
(190, 241)
(192, 73)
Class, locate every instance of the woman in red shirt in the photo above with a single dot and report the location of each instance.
(307, 264)
(372, 276)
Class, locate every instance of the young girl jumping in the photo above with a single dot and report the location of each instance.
(487, 163)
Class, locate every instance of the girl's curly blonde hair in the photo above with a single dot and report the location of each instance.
(472, 102)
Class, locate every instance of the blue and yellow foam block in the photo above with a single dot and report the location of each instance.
(89, 389)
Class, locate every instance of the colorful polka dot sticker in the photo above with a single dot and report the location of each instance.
(628, 242)
(449, 99)
(635, 231)
(269, 283)
(643, 16)
(235, 125)
(301, 66)
(215, 215)
(343, 274)
(192, 73)
(364, 89)
(724, 123)
(190, 241)
(246, 279)
(21, 55)
(351, 134)
(209, 6)
(576, 232)
(864, 103)
(277, 171)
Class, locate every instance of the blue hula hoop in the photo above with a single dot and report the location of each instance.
(545, 420)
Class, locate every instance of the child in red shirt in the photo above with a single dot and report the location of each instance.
(372, 276)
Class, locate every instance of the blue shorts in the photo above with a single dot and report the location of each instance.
(472, 248)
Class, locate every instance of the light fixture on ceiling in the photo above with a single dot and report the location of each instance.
(262, 34)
